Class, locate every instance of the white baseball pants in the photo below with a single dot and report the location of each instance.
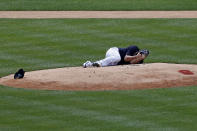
(112, 57)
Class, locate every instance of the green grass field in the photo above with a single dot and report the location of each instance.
(50, 43)
(142, 110)
(98, 5)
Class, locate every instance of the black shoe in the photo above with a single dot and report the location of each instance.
(19, 74)
(95, 64)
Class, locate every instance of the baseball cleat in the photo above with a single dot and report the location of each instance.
(87, 64)
(96, 64)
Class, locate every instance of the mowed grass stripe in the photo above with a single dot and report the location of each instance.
(98, 5)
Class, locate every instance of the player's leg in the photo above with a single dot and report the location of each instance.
(112, 58)
(87, 64)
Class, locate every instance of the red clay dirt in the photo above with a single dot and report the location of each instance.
(142, 76)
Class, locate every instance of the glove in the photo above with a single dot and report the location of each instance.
(144, 52)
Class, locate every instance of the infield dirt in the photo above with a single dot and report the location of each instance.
(98, 14)
(141, 76)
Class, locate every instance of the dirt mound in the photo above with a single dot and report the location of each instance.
(156, 75)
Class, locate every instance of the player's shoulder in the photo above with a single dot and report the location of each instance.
(133, 47)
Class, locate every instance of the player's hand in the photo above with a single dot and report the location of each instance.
(143, 56)
(138, 55)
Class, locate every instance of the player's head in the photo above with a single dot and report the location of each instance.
(144, 52)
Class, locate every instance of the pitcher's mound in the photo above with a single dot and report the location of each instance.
(156, 75)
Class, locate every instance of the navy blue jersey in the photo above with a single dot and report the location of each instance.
(131, 51)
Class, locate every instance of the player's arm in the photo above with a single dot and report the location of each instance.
(129, 58)
(138, 59)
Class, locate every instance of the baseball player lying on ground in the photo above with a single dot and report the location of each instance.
(120, 56)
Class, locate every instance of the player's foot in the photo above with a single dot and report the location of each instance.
(87, 64)
(96, 64)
